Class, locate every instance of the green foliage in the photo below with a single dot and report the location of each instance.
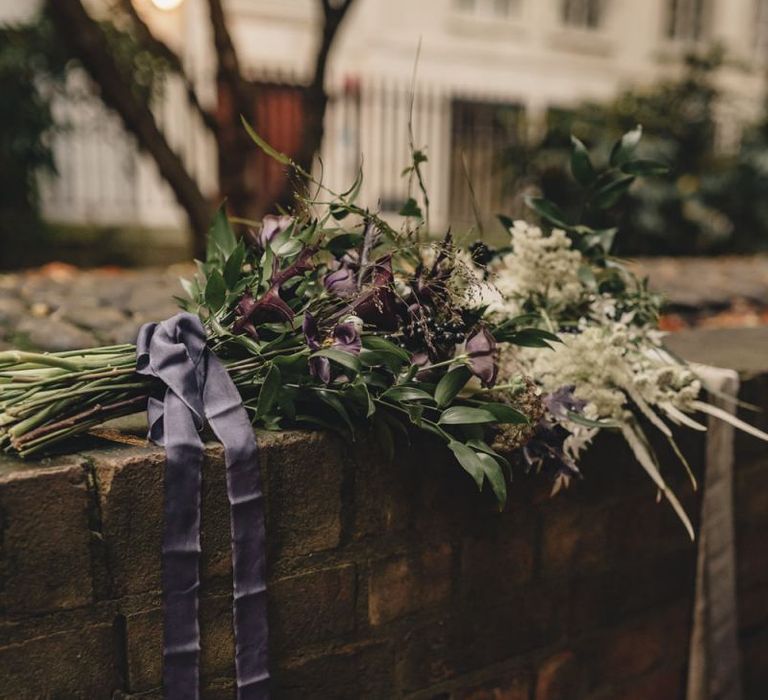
(696, 198)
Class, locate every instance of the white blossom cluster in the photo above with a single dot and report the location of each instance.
(612, 362)
(541, 268)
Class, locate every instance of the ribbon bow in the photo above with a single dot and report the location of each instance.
(198, 389)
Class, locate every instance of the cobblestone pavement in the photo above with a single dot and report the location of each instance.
(58, 307)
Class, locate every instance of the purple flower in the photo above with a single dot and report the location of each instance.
(319, 367)
(302, 264)
(342, 282)
(271, 225)
(269, 308)
(562, 401)
(483, 356)
(346, 338)
(378, 305)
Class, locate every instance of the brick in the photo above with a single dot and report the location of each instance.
(407, 584)
(79, 662)
(559, 677)
(130, 486)
(506, 546)
(666, 684)
(574, 539)
(304, 473)
(514, 685)
(311, 607)
(144, 643)
(350, 673)
(465, 640)
(45, 541)
(302, 506)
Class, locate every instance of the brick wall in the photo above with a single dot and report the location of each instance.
(386, 580)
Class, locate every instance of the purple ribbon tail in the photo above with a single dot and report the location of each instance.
(198, 389)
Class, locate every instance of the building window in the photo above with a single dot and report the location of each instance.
(761, 30)
(489, 8)
(583, 14)
(688, 20)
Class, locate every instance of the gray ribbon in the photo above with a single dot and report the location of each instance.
(713, 666)
(198, 389)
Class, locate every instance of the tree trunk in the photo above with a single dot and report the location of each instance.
(89, 44)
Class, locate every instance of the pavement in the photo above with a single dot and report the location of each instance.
(61, 307)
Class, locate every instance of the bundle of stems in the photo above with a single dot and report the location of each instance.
(48, 397)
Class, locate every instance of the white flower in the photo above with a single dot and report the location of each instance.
(541, 268)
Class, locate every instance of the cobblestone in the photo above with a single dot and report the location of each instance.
(58, 307)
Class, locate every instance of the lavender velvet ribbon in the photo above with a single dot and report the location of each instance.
(198, 389)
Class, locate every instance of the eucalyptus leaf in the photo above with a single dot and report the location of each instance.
(506, 414)
(549, 211)
(234, 265)
(269, 392)
(609, 195)
(221, 237)
(451, 384)
(215, 291)
(376, 342)
(340, 357)
(495, 475)
(625, 147)
(581, 164)
(406, 393)
(469, 460)
(465, 415)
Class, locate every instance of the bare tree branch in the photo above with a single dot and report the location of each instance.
(158, 47)
(228, 63)
(315, 96)
(89, 44)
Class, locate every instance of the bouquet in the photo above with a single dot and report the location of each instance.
(330, 318)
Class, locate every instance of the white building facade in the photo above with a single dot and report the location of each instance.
(476, 55)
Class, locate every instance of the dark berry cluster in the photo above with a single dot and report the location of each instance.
(481, 253)
(423, 331)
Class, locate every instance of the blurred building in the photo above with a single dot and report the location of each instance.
(489, 72)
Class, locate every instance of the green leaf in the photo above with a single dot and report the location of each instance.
(495, 475)
(215, 291)
(339, 211)
(338, 245)
(411, 208)
(482, 446)
(376, 342)
(335, 403)
(469, 460)
(464, 415)
(581, 165)
(234, 265)
(506, 414)
(531, 338)
(451, 384)
(609, 195)
(374, 358)
(505, 221)
(191, 287)
(549, 211)
(221, 237)
(406, 393)
(270, 389)
(589, 423)
(264, 146)
(644, 168)
(625, 147)
(340, 357)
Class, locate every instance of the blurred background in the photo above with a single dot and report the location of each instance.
(120, 132)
